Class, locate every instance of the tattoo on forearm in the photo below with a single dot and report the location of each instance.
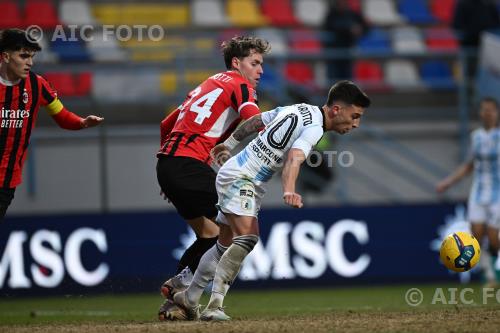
(248, 127)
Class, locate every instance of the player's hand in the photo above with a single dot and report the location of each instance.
(442, 186)
(293, 199)
(91, 121)
(220, 154)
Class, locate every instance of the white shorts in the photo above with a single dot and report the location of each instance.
(237, 193)
(480, 214)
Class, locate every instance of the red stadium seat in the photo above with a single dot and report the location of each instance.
(304, 40)
(63, 83)
(279, 12)
(355, 5)
(370, 75)
(441, 39)
(10, 15)
(83, 84)
(299, 72)
(41, 13)
(443, 10)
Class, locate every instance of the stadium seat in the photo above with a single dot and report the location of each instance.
(245, 13)
(381, 12)
(355, 5)
(75, 12)
(401, 74)
(441, 39)
(62, 82)
(443, 10)
(47, 56)
(407, 40)
(10, 15)
(83, 84)
(208, 13)
(368, 72)
(105, 48)
(168, 83)
(305, 41)
(124, 87)
(299, 72)
(276, 37)
(375, 41)
(279, 12)
(416, 11)
(150, 50)
(437, 74)
(41, 13)
(167, 15)
(311, 12)
(193, 77)
(70, 50)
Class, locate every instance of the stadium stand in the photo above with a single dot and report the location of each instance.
(407, 40)
(10, 15)
(381, 12)
(416, 11)
(245, 13)
(279, 12)
(41, 13)
(208, 13)
(311, 12)
(75, 12)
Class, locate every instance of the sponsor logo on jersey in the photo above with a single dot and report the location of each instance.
(13, 118)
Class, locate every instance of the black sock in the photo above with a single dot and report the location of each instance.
(194, 253)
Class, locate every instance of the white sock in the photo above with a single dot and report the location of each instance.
(205, 273)
(229, 266)
(185, 276)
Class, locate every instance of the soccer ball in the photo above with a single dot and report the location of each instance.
(460, 251)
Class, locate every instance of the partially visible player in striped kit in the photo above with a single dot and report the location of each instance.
(22, 92)
(484, 197)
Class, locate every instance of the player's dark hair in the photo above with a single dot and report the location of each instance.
(349, 93)
(489, 99)
(16, 40)
(240, 47)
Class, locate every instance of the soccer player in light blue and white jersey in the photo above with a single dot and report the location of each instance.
(484, 197)
(288, 135)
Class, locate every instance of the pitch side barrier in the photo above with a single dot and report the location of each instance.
(134, 252)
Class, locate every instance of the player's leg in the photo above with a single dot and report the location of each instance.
(6, 196)
(246, 230)
(189, 298)
(492, 230)
(478, 215)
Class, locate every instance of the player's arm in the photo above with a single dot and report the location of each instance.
(221, 152)
(62, 116)
(457, 175)
(289, 177)
(167, 125)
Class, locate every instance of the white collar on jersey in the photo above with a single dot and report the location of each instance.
(9, 83)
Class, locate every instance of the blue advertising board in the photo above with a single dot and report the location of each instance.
(134, 252)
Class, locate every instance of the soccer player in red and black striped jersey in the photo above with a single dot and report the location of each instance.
(208, 116)
(22, 92)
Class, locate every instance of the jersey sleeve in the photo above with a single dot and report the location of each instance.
(268, 116)
(244, 100)
(308, 139)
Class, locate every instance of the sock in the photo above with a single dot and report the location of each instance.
(486, 267)
(191, 257)
(229, 266)
(205, 273)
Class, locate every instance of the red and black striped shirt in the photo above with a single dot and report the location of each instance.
(19, 109)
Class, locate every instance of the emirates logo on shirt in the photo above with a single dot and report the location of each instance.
(13, 118)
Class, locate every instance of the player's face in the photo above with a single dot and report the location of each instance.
(18, 63)
(250, 67)
(345, 117)
(488, 114)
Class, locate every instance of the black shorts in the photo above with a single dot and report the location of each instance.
(189, 184)
(6, 196)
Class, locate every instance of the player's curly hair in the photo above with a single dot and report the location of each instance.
(349, 93)
(16, 40)
(240, 47)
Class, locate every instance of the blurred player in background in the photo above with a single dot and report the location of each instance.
(208, 116)
(22, 92)
(289, 135)
(484, 197)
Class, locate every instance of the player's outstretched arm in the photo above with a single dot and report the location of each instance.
(455, 176)
(289, 177)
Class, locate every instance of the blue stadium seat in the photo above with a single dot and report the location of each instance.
(375, 41)
(416, 11)
(70, 51)
(437, 74)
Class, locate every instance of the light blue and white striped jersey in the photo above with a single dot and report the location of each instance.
(485, 154)
(295, 126)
